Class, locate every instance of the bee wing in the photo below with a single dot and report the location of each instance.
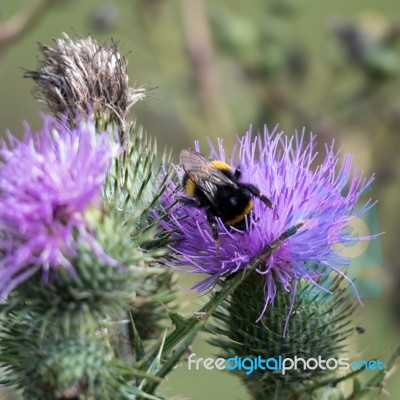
(200, 168)
(203, 173)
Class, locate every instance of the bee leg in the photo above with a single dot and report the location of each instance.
(256, 192)
(188, 201)
(213, 225)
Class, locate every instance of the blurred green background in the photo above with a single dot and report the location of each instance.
(213, 68)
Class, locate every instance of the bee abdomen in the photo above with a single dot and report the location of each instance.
(240, 215)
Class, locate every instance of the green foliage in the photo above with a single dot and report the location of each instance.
(133, 189)
(168, 354)
(132, 194)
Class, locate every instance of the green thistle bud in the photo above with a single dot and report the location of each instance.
(48, 367)
(317, 327)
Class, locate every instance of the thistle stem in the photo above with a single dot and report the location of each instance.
(377, 380)
(187, 329)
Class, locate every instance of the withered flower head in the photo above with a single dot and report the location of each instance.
(86, 76)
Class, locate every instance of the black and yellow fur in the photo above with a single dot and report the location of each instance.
(215, 187)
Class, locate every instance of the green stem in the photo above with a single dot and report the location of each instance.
(377, 380)
(187, 329)
(329, 382)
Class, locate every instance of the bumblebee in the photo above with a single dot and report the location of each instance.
(216, 188)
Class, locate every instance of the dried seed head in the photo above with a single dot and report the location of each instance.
(86, 76)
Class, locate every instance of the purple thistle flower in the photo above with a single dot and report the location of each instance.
(48, 181)
(324, 198)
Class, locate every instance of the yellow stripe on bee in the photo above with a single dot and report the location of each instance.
(222, 166)
(241, 216)
(190, 187)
